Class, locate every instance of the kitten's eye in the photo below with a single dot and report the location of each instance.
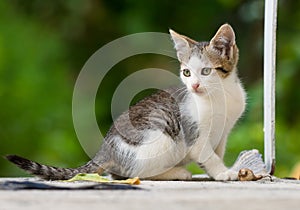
(186, 72)
(205, 71)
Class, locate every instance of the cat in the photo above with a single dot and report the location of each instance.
(159, 135)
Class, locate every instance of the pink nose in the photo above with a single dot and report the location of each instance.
(195, 86)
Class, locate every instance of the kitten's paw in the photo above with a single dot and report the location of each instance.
(228, 175)
(184, 175)
(176, 173)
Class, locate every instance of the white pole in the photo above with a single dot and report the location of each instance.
(269, 83)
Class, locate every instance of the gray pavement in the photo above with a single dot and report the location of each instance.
(173, 195)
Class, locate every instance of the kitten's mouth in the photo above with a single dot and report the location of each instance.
(198, 91)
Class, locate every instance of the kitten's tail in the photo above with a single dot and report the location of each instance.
(50, 172)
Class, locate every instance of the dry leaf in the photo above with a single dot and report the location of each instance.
(246, 174)
(97, 178)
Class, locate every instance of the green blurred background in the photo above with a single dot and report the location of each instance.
(45, 43)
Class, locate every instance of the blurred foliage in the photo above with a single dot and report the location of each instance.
(44, 44)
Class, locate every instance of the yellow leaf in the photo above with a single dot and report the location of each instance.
(97, 178)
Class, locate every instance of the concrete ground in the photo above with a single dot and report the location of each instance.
(173, 195)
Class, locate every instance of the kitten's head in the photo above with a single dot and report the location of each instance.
(205, 63)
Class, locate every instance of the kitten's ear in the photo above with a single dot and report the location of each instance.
(182, 45)
(223, 41)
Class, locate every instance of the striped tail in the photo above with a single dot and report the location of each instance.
(50, 172)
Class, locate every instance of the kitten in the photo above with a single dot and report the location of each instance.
(159, 135)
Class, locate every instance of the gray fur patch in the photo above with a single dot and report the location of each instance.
(159, 111)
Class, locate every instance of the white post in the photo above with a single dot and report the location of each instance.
(269, 83)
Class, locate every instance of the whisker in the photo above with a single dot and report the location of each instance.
(183, 92)
(179, 92)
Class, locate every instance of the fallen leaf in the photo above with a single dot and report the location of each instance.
(246, 174)
(94, 177)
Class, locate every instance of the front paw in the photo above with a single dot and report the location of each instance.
(228, 175)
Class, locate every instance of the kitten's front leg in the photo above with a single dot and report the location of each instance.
(215, 168)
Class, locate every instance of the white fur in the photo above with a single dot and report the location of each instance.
(216, 106)
(159, 153)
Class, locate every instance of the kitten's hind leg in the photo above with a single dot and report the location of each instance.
(176, 173)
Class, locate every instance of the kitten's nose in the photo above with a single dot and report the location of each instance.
(195, 86)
